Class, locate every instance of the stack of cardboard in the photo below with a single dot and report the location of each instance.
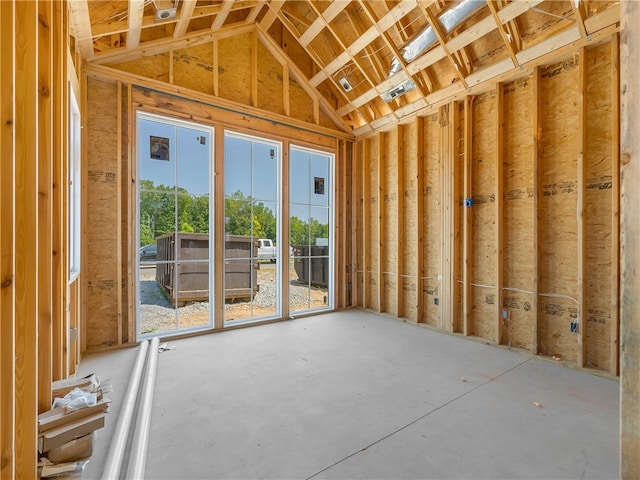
(65, 436)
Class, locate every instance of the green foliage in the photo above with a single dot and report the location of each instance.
(158, 211)
(243, 216)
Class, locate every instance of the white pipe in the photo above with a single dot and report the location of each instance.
(138, 455)
(113, 462)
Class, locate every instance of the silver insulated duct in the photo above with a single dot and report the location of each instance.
(449, 20)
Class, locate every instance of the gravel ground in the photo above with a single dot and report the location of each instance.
(157, 312)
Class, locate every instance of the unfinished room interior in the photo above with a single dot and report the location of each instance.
(320, 239)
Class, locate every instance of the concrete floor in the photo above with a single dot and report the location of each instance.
(358, 395)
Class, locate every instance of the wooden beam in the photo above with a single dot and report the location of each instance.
(119, 213)
(322, 21)
(45, 204)
(366, 215)
(302, 80)
(341, 262)
(131, 211)
(7, 244)
(537, 200)
(81, 24)
(60, 95)
(356, 201)
(219, 238)
(630, 236)
(26, 238)
(255, 11)
(507, 38)
(365, 39)
(254, 68)
(579, 14)
(467, 248)
(271, 15)
(615, 200)
(218, 22)
(136, 13)
(382, 218)
(285, 270)
(499, 212)
(186, 11)
(581, 224)
(420, 208)
(461, 69)
(165, 44)
(279, 121)
(400, 224)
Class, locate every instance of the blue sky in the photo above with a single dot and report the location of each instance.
(309, 171)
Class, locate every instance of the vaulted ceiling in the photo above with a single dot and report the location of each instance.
(374, 62)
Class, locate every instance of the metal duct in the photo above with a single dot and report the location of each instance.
(113, 463)
(449, 20)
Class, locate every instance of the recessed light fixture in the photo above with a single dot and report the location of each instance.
(345, 84)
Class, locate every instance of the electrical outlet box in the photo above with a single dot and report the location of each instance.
(574, 326)
(505, 314)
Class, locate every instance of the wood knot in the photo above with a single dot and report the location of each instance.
(625, 158)
(6, 282)
(44, 91)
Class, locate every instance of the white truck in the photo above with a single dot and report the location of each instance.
(266, 250)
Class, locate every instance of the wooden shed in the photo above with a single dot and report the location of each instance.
(486, 163)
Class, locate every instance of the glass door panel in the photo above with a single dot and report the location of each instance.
(310, 230)
(252, 281)
(174, 218)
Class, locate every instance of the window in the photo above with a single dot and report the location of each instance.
(74, 188)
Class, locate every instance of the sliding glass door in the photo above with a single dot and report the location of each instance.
(174, 280)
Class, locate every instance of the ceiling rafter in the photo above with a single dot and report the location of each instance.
(271, 15)
(371, 81)
(218, 22)
(579, 13)
(300, 77)
(324, 19)
(506, 36)
(253, 15)
(481, 28)
(136, 14)
(186, 11)
(385, 36)
(402, 33)
(81, 23)
(366, 38)
(461, 69)
(149, 21)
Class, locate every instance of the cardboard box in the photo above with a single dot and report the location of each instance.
(69, 431)
(59, 416)
(77, 449)
(60, 388)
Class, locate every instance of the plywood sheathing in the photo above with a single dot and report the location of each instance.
(557, 210)
(432, 205)
(518, 214)
(100, 241)
(408, 223)
(598, 206)
(483, 275)
(389, 212)
(534, 222)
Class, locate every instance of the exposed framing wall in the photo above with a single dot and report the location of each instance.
(512, 224)
(113, 97)
(36, 300)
